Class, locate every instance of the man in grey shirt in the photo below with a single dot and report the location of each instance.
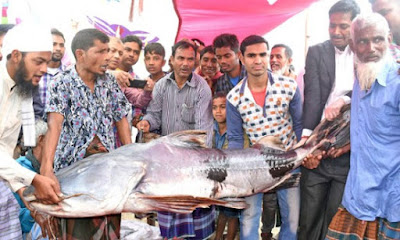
(182, 101)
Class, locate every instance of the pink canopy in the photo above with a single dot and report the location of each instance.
(205, 19)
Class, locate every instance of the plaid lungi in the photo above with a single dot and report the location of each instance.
(345, 226)
(10, 227)
(200, 224)
(94, 228)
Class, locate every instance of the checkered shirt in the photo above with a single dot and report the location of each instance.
(274, 118)
(224, 83)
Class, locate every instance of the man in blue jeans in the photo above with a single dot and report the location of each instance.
(288, 198)
(261, 104)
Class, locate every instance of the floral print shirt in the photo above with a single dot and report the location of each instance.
(86, 114)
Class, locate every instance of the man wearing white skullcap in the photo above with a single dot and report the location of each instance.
(26, 51)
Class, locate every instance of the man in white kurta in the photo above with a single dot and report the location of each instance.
(24, 61)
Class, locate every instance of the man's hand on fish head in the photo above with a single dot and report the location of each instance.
(333, 109)
(313, 159)
(337, 152)
(143, 125)
(47, 188)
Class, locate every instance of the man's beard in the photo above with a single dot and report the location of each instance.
(55, 59)
(367, 72)
(278, 72)
(24, 87)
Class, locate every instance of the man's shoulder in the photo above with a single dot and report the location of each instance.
(234, 94)
(69, 73)
(393, 72)
(284, 79)
(163, 81)
(201, 83)
(322, 47)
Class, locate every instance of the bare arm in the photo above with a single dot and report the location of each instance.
(54, 123)
(124, 132)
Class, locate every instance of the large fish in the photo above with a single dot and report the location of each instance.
(177, 173)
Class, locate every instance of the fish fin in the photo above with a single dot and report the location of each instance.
(292, 181)
(187, 204)
(188, 138)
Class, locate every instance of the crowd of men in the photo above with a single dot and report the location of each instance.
(239, 93)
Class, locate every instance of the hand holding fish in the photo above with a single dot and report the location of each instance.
(313, 159)
(337, 152)
(47, 189)
(333, 109)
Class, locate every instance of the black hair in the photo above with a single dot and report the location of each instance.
(208, 49)
(219, 95)
(54, 31)
(84, 39)
(345, 6)
(288, 50)
(183, 45)
(226, 40)
(250, 40)
(133, 38)
(4, 28)
(155, 48)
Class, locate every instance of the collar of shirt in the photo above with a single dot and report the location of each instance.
(61, 68)
(389, 63)
(347, 50)
(243, 74)
(100, 79)
(188, 82)
(245, 90)
(218, 138)
(216, 127)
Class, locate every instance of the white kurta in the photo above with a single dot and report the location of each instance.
(10, 125)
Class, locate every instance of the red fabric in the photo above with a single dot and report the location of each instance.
(205, 19)
(259, 97)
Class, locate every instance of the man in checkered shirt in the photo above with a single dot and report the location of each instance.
(262, 104)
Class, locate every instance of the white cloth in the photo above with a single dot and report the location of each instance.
(28, 122)
(344, 80)
(27, 37)
(344, 77)
(10, 125)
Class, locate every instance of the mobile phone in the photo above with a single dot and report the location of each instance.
(137, 83)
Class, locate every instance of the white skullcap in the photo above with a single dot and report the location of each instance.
(27, 37)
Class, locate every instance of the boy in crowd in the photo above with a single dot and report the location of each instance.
(220, 141)
(154, 59)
